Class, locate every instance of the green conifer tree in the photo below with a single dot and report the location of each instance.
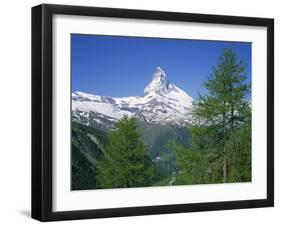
(126, 162)
(221, 117)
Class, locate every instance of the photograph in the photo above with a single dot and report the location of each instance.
(149, 111)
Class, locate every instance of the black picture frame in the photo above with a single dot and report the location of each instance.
(42, 111)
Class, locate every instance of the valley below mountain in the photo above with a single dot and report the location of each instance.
(163, 113)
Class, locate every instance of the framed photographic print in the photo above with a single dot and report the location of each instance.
(145, 112)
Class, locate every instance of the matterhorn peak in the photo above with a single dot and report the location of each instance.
(159, 82)
(159, 74)
(163, 103)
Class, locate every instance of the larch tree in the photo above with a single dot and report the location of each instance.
(223, 108)
(126, 162)
(220, 137)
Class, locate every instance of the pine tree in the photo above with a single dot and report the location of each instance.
(223, 107)
(126, 162)
(221, 135)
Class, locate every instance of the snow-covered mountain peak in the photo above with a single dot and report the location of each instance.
(159, 74)
(159, 83)
(163, 103)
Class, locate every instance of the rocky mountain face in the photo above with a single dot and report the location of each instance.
(163, 103)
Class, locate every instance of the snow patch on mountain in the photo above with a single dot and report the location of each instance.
(162, 103)
(159, 83)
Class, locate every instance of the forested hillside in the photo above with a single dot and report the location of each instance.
(87, 149)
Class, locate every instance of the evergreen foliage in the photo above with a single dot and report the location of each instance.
(85, 155)
(126, 162)
(220, 145)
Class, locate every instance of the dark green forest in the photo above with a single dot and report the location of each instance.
(216, 148)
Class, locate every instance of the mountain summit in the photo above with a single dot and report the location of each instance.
(159, 82)
(163, 103)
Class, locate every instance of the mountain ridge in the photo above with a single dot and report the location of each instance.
(162, 103)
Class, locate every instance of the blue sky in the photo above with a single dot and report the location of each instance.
(122, 66)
